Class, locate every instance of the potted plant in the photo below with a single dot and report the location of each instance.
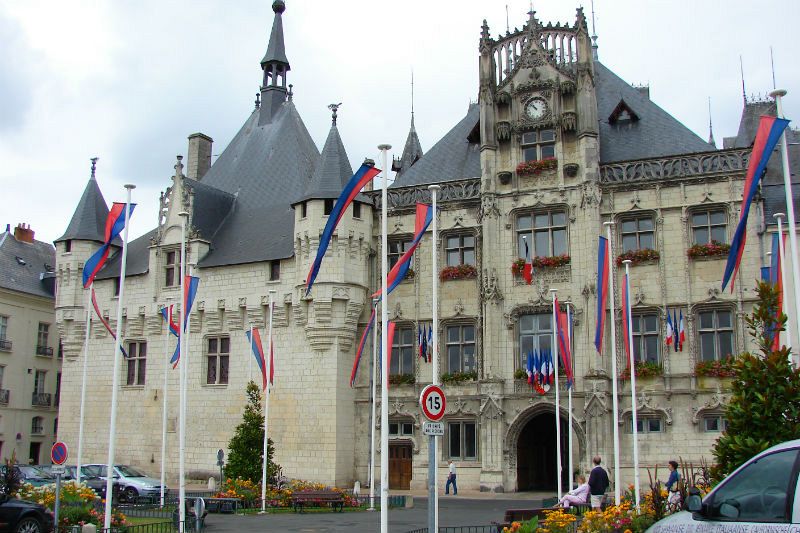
(459, 377)
(458, 272)
(553, 261)
(534, 168)
(402, 379)
(711, 249)
(644, 369)
(638, 256)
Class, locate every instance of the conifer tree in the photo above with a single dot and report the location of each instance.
(764, 409)
(246, 447)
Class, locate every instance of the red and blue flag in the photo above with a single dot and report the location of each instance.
(258, 352)
(188, 298)
(115, 223)
(627, 322)
(397, 274)
(361, 345)
(363, 175)
(105, 322)
(166, 314)
(564, 344)
(603, 252)
(776, 278)
(769, 133)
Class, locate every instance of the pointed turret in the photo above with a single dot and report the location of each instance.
(333, 170)
(412, 151)
(89, 220)
(275, 66)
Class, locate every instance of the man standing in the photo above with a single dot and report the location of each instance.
(451, 478)
(598, 483)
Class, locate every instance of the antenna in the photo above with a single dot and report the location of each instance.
(412, 94)
(710, 127)
(741, 70)
(772, 64)
(594, 34)
(508, 28)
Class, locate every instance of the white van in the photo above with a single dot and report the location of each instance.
(759, 496)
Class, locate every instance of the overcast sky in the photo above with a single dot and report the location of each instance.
(129, 81)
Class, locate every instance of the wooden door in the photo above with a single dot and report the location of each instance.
(400, 463)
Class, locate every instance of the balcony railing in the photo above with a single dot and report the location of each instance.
(5, 394)
(41, 399)
(37, 430)
(44, 350)
(5, 345)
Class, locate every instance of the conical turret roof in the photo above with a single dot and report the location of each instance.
(412, 151)
(276, 52)
(89, 220)
(333, 170)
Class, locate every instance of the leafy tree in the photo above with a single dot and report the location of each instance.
(10, 476)
(247, 444)
(764, 409)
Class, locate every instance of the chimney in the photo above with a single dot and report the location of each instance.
(199, 160)
(23, 233)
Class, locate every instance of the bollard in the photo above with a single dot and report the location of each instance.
(212, 483)
(89, 528)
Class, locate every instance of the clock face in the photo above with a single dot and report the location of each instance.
(536, 108)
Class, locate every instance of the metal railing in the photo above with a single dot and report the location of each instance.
(41, 399)
(158, 527)
(44, 350)
(5, 345)
(5, 395)
(462, 529)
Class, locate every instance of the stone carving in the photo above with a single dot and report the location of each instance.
(398, 312)
(488, 207)
(490, 407)
(591, 195)
(342, 293)
(458, 308)
(459, 407)
(716, 404)
(569, 121)
(723, 161)
(490, 291)
(645, 405)
(503, 129)
(456, 191)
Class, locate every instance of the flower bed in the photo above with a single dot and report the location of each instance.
(79, 504)
(402, 379)
(646, 369)
(724, 368)
(712, 249)
(638, 256)
(534, 168)
(459, 377)
(279, 497)
(458, 272)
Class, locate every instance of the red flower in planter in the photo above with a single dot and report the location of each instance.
(533, 168)
(638, 256)
(458, 272)
(712, 249)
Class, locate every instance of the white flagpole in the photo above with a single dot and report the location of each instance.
(117, 354)
(182, 380)
(558, 403)
(267, 369)
(778, 94)
(164, 408)
(779, 217)
(614, 402)
(373, 381)
(569, 397)
(634, 417)
(433, 440)
(250, 359)
(384, 148)
(83, 377)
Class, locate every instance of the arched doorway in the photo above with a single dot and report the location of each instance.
(536, 454)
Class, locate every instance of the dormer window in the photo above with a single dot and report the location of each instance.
(623, 113)
(171, 269)
(538, 145)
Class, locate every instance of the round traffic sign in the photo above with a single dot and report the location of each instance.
(432, 402)
(58, 453)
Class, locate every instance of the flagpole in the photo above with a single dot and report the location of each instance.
(569, 397)
(433, 458)
(778, 95)
(614, 400)
(83, 377)
(182, 385)
(117, 353)
(558, 403)
(384, 148)
(164, 408)
(779, 217)
(250, 359)
(634, 417)
(372, 383)
(267, 369)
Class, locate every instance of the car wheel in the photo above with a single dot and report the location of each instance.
(131, 494)
(29, 524)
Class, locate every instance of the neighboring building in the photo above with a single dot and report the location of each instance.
(597, 150)
(30, 351)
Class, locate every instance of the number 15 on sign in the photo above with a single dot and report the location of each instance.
(432, 402)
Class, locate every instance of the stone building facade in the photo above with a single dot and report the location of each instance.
(556, 146)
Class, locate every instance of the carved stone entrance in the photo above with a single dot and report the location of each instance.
(536, 454)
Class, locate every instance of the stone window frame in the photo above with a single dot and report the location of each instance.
(42, 337)
(175, 267)
(532, 212)
(636, 215)
(460, 234)
(709, 415)
(392, 256)
(639, 312)
(704, 308)
(139, 363)
(218, 359)
(37, 425)
(414, 348)
(708, 209)
(273, 276)
(533, 310)
(459, 322)
(537, 144)
(402, 422)
(327, 206)
(39, 385)
(461, 421)
(357, 210)
(645, 429)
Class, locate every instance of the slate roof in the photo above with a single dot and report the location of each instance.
(22, 266)
(138, 258)
(453, 158)
(89, 220)
(412, 151)
(655, 134)
(333, 170)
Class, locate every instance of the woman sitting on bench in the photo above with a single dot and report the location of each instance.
(577, 496)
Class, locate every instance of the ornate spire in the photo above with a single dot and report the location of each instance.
(710, 127)
(333, 169)
(89, 220)
(275, 66)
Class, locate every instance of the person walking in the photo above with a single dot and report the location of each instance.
(576, 496)
(674, 498)
(451, 479)
(598, 483)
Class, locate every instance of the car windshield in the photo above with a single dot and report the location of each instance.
(91, 471)
(128, 471)
(33, 472)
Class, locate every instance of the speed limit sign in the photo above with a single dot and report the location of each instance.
(432, 402)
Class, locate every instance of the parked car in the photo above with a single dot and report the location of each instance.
(760, 495)
(22, 516)
(31, 474)
(133, 483)
(90, 475)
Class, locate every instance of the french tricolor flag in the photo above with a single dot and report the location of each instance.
(769, 133)
(115, 223)
(603, 253)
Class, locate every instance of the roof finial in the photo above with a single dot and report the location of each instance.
(772, 64)
(334, 108)
(291, 93)
(594, 34)
(279, 6)
(710, 127)
(94, 166)
(412, 96)
(258, 100)
(508, 28)
(179, 166)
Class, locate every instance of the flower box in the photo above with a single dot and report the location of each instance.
(712, 249)
(638, 256)
(643, 370)
(534, 168)
(723, 368)
(458, 272)
(402, 379)
(551, 262)
(459, 377)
